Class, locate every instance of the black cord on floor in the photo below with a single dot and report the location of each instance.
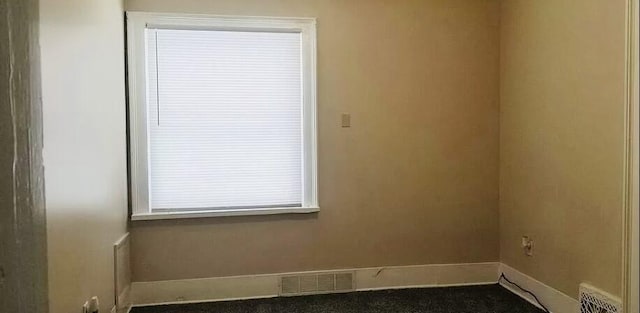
(524, 290)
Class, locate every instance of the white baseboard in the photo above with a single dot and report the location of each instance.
(126, 309)
(266, 286)
(376, 278)
(554, 300)
(124, 299)
(115, 309)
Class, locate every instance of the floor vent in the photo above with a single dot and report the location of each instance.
(593, 300)
(316, 283)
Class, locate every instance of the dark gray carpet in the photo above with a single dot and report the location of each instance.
(474, 299)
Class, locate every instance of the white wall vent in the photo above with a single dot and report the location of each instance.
(593, 300)
(316, 283)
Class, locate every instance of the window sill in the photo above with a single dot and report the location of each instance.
(220, 213)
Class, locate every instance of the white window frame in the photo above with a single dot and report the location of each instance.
(137, 22)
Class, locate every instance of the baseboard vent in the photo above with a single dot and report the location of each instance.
(593, 300)
(316, 283)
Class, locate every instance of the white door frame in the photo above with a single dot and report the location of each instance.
(23, 235)
(631, 211)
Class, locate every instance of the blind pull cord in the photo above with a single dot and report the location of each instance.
(157, 80)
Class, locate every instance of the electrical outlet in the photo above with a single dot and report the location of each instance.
(527, 245)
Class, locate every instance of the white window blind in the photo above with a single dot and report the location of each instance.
(224, 119)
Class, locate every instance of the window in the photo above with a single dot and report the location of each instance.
(222, 115)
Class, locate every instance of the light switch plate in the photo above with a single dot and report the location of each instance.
(346, 120)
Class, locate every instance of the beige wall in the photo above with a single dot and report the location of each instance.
(85, 147)
(413, 181)
(561, 143)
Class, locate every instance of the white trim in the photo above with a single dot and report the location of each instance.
(310, 116)
(219, 213)
(200, 21)
(631, 184)
(137, 22)
(122, 298)
(267, 285)
(137, 114)
(554, 300)
(125, 310)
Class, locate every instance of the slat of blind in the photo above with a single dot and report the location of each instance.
(225, 119)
